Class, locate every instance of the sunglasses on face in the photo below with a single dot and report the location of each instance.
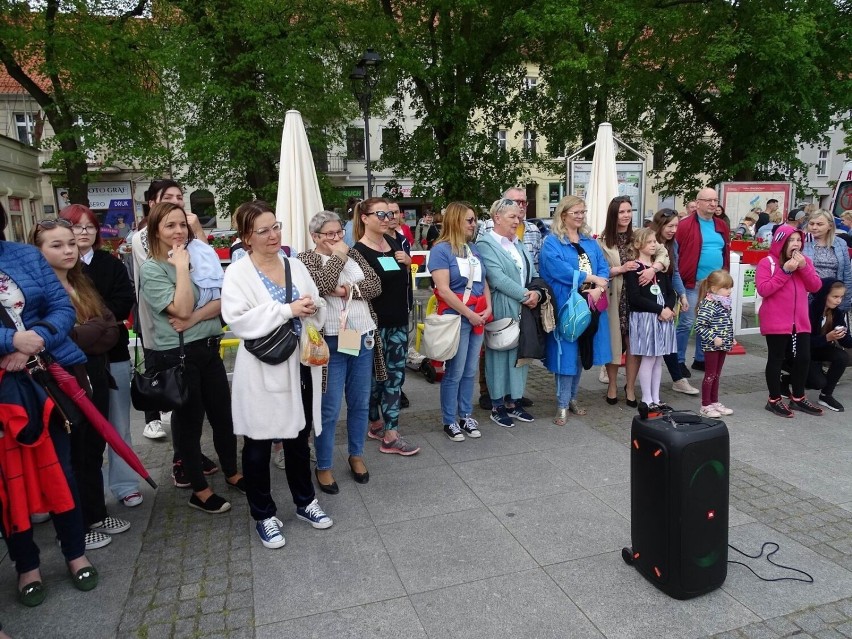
(383, 215)
(667, 213)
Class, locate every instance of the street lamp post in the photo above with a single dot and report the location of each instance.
(365, 78)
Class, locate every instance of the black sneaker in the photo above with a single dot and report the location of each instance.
(213, 506)
(208, 466)
(805, 406)
(519, 413)
(785, 386)
(697, 366)
(684, 371)
(485, 402)
(179, 476)
(454, 432)
(830, 403)
(403, 400)
(470, 427)
(500, 416)
(779, 408)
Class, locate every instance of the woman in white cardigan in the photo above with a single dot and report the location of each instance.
(272, 401)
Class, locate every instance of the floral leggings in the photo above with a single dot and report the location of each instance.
(385, 396)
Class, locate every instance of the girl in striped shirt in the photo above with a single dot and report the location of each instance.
(715, 329)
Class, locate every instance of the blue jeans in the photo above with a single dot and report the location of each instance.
(459, 374)
(345, 374)
(684, 326)
(121, 478)
(566, 387)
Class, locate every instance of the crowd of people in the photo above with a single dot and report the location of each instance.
(647, 291)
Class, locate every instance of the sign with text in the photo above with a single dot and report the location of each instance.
(101, 195)
(739, 198)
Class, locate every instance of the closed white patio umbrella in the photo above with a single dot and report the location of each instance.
(299, 196)
(603, 181)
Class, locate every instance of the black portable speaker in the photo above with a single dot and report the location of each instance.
(679, 481)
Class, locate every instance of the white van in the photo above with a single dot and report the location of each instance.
(842, 198)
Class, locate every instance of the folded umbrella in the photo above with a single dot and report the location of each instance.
(67, 383)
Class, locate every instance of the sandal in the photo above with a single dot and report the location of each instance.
(85, 579)
(561, 417)
(575, 408)
(32, 594)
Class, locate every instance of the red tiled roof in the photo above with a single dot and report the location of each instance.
(10, 85)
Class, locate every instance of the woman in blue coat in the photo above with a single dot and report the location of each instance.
(566, 250)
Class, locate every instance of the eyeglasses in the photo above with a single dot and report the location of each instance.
(470, 220)
(383, 215)
(82, 228)
(578, 213)
(275, 228)
(332, 235)
(52, 224)
(708, 199)
(518, 202)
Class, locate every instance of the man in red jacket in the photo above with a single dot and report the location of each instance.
(703, 246)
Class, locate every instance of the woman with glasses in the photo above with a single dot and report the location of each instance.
(664, 224)
(615, 242)
(116, 290)
(348, 285)
(567, 250)
(38, 318)
(371, 231)
(509, 268)
(96, 333)
(461, 288)
(179, 307)
(262, 292)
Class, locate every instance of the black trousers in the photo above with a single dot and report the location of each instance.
(209, 392)
(297, 458)
(151, 415)
(780, 348)
(837, 360)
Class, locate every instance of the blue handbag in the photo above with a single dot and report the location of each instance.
(574, 315)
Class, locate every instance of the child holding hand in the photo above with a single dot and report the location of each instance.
(714, 327)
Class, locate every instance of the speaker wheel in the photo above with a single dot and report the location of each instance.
(627, 555)
(428, 371)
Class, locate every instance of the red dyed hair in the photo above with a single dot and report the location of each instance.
(75, 213)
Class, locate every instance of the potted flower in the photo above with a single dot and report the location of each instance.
(221, 243)
(756, 252)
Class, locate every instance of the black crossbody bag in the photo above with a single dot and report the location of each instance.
(277, 346)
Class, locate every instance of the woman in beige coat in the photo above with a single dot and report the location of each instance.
(615, 242)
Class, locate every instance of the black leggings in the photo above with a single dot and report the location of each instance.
(837, 360)
(780, 348)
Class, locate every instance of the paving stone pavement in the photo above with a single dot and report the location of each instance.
(517, 534)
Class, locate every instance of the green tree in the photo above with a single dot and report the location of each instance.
(236, 67)
(86, 64)
(455, 66)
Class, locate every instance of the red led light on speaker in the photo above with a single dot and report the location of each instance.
(636, 444)
(658, 452)
(657, 572)
(711, 514)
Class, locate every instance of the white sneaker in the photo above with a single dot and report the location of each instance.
(683, 386)
(710, 411)
(166, 418)
(603, 377)
(132, 500)
(722, 409)
(278, 459)
(154, 430)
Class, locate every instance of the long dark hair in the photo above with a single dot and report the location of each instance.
(610, 231)
(661, 219)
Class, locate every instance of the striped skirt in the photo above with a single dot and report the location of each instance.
(650, 336)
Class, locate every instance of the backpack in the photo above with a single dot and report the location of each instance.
(574, 316)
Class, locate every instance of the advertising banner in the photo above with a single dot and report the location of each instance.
(739, 198)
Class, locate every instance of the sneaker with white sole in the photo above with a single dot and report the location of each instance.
(132, 500)
(110, 526)
(453, 432)
(709, 411)
(470, 426)
(95, 540)
(154, 430)
(278, 460)
(519, 413)
(683, 386)
(722, 409)
(314, 515)
(398, 446)
(269, 531)
(603, 376)
(166, 418)
(500, 416)
(830, 403)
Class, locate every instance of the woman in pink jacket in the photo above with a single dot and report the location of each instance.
(783, 279)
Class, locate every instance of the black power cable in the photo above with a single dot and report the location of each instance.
(808, 580)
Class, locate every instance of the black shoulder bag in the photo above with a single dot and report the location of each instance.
(277, 346)
(160, 390)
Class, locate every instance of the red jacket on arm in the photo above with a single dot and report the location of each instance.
(689, 243)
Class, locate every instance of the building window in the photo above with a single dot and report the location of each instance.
(355, 149)
(822, 163)
(25, 125)
(530, 82)
(500, 136)
(390, 139)
(530, 142)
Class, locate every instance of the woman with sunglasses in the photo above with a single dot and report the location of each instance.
(371, 231)
(459, 276)
(262, 292)
(174, 299)
(113, 284)
(664, 224)
(38, 307)
(348, 285)
(96, 333)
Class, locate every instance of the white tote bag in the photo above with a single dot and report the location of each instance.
(441, 335)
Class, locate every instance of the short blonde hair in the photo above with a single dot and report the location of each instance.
(832, 229)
